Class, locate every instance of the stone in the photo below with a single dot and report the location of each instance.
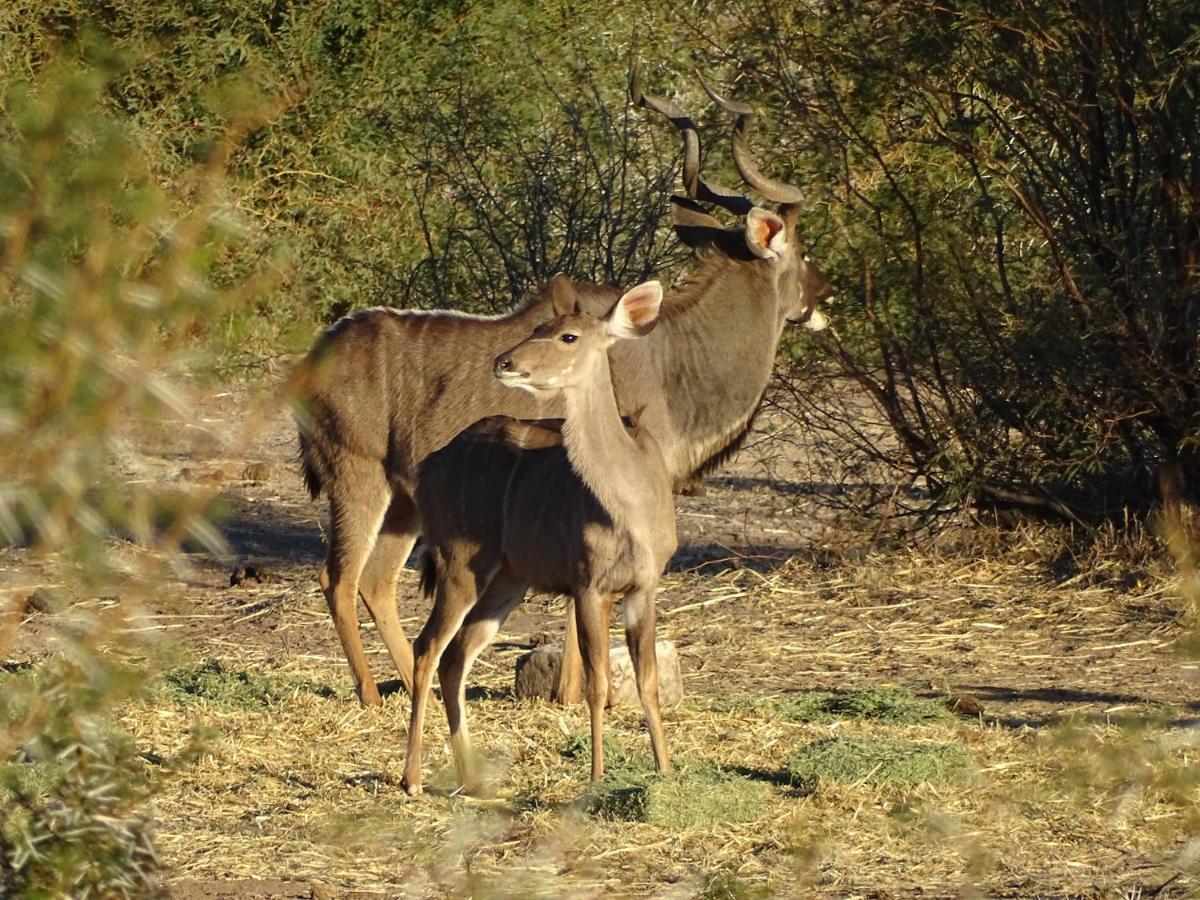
(537, 674)
(256, 472)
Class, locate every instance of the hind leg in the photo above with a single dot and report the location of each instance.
(477, 631)
(569, 689)
(378, 583)
(457, 592)
(357, 500)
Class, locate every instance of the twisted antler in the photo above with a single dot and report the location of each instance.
(693, 184)
(778, 191)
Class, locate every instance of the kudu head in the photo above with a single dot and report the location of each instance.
(766, 234)
(563, 353)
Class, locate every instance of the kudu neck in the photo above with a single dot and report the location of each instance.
(602, 452)
(708, 361)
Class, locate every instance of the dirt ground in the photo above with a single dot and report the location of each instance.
(764, 601)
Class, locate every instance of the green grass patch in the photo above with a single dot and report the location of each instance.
(212, 683)
(696, 795)
(693, 797)
(878, 761)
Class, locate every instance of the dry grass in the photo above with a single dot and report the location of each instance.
(1064, 800)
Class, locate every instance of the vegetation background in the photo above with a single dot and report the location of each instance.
(1004, 192)
(1006, 195)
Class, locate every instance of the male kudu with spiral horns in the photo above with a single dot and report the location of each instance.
(383, 388)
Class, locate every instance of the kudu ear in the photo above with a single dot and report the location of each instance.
(636, 313)
(563, 298)
(766, 233)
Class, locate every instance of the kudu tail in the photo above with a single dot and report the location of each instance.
(296, 392)
(428, 572)
(312, 479)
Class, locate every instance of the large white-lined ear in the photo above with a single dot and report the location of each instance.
(636, 313)
(563, 299)
(766, 233)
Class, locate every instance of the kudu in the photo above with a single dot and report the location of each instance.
(591, 518)
(382, 389)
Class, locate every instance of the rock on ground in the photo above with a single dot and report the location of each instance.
(537, 674)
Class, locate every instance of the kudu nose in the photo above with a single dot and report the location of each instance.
(817, 321)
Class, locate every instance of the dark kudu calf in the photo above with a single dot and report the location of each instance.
(592, 518)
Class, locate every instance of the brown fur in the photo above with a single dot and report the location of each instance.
(591, 518)
(382, 389)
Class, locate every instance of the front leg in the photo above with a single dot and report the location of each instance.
(639, 613)
(592, 610)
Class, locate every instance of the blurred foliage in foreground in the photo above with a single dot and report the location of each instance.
(106, 277)
(72, 815)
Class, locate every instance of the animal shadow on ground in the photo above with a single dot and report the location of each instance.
(712, 559)
(269, 533)
(1067, 697)
(825, 489)
(775, 777)
(474, 693)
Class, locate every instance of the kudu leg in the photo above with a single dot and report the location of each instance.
(477, 631)
(356, 506)
(456, 594)
(592, 611)
(570, 673)
(378, 582)
(640, 613)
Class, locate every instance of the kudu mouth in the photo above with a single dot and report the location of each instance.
(812, 319)
(510, 374)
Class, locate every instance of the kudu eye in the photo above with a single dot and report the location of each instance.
(569, 338)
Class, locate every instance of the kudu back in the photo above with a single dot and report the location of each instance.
(382, 388)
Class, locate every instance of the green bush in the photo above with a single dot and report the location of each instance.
(436, 155)
(72, 815)
(107, 278)
(1013, 222)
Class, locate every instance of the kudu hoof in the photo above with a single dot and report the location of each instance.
(412, 788)
(369, 697)
(477, 790)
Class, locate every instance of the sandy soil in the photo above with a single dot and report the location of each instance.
(756, 602)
